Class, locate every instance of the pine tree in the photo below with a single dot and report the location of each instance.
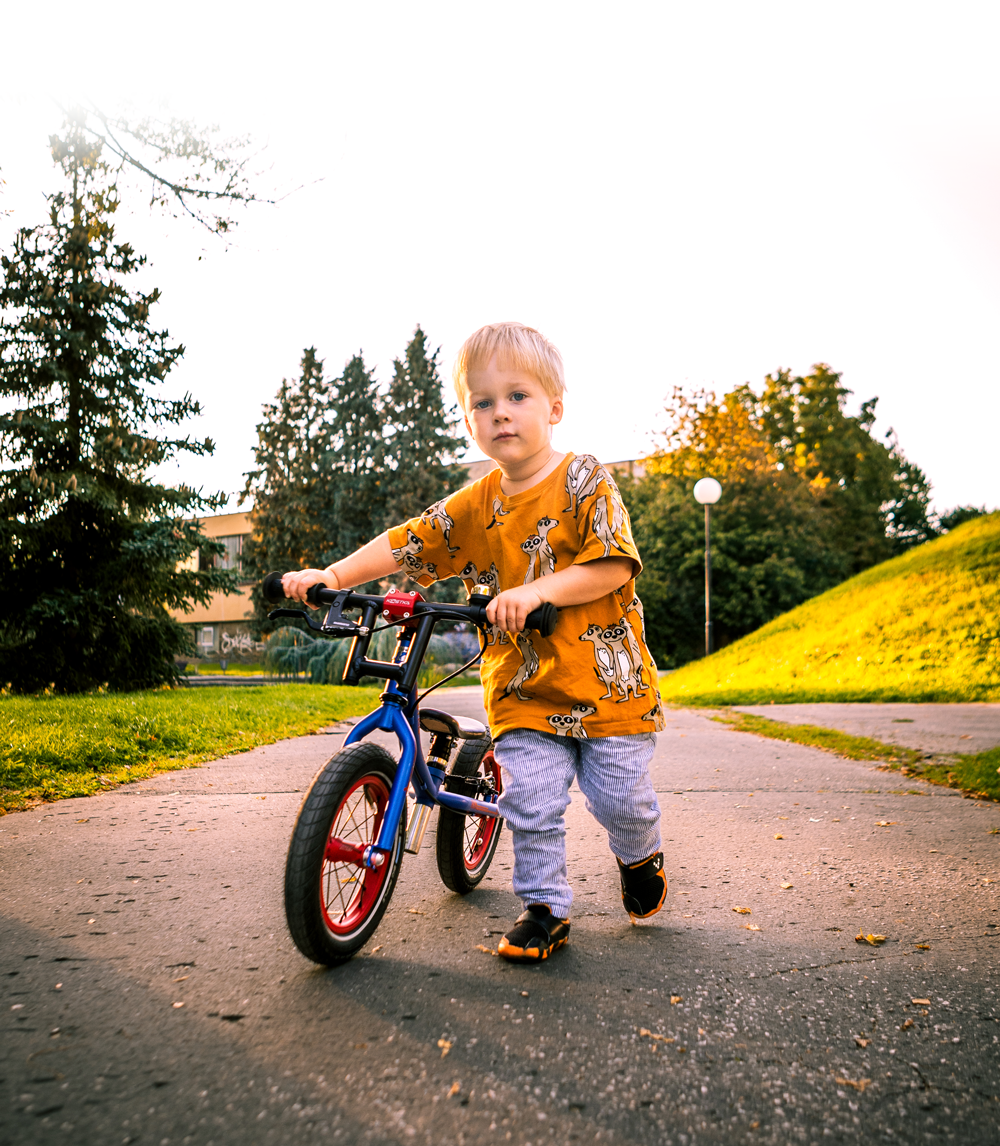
(287, 533)
(350, 497)
(90, 546)
(421, 437)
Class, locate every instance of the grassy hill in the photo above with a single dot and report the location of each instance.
(921, 627)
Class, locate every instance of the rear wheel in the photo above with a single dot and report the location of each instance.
(333, 902)
(466, 844)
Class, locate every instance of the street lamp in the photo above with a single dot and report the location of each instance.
(707, 492)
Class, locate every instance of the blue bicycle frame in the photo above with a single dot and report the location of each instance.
(398, 713)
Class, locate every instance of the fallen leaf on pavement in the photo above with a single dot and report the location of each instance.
(874, 940)
(375, 950)
(788, 886)
(906, 1026)
(82, 821)
(445, 1046)
(751, 927)
(861, 1042)
(922, 946)
(176, 1005)
(485, 950)
(675, 999)
(742, 910)
(858, 1084)
(779, 836)
(884, 823)
(921, 1002)
(455, 1088)
(645, 1034)
(413, 911)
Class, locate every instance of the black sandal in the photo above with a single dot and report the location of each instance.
(644, 886)
(535, 935)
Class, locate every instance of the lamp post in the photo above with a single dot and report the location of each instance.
(707, 492)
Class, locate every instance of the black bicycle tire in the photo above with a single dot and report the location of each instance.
(450, 843)
(307, 847)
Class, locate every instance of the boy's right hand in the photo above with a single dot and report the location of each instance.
(296, 585)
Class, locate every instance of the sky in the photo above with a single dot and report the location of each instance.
(675, 194)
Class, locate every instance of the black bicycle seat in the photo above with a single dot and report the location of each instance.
(461, 727)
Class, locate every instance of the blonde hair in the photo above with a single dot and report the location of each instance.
(516, 347)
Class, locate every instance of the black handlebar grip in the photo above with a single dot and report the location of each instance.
(271, 589)
(543, 619)
(313, 592)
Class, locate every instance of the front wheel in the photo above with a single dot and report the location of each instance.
(333, 903)
(466, 844)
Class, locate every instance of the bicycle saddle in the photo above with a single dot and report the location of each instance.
(461, 727)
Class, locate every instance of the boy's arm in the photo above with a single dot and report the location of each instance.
(577, 585)
(369, 563)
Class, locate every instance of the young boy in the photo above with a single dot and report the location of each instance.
(543, 526)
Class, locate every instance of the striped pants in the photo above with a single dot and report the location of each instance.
(538, 769)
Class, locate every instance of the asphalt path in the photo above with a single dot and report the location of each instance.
(152, 994)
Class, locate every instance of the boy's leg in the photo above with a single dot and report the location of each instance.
(614, 776)
(537, 769)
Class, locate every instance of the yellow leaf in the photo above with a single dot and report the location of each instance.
(861, 1042)
(858, 1084)
(485, 950)
(751, 927)
(675, 999)
(445, 1046)
(788, 886)
(779, 836)
(923, 946)
(906, 1026)
(921, 1002)
(742, 910)
(646, 1034)
(413, 911)
(874, 940)
(455, 1088)
(884, 823)
(177, 1005)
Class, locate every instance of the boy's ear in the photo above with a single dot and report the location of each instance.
(468, 426)
(557, 411)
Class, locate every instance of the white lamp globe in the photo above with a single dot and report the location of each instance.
(707, 491)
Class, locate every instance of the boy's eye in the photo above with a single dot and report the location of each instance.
(481, 404)
(518, 396)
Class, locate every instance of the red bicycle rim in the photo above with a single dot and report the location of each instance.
(480, 830)
(348, 891)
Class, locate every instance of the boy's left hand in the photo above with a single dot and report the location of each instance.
(509, 610)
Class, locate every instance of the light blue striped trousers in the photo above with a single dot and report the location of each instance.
(538, 769)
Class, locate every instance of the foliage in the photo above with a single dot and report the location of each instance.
(809, 498)
(923, 626)
(90, 544)
(337, 460)
(56, 746)
(959, 516)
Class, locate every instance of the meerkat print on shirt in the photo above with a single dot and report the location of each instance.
(594, 676)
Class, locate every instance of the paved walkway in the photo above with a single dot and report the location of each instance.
(151, 993)
(934, 728)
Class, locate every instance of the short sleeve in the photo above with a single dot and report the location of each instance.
(605, 529)
(423, 546)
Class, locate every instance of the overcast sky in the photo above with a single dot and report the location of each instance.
(675, 194)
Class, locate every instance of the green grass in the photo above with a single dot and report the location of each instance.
(58, 746)
(921, 627)
(975, 775)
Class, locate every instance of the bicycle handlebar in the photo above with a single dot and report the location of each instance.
(542, 620)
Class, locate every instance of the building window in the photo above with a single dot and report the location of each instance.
(206, 638)
(231, 556)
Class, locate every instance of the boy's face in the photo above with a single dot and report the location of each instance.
(510, 416)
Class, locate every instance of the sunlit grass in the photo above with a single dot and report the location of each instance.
(58, 746)
(922, 627)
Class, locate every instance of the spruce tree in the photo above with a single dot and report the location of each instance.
(289, 455)
(421, 434)
(91, 548)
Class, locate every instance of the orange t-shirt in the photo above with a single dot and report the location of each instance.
(594, 676)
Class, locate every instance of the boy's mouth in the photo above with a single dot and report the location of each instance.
(503, 436)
